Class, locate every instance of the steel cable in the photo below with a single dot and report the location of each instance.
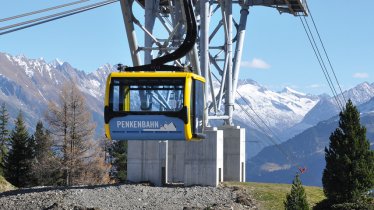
(53, 17)
(328, 58)
(315, 49)
(42, 10)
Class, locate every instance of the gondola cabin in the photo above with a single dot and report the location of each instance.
(154, 106)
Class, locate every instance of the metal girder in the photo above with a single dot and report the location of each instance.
(218, 51)
(294, 7)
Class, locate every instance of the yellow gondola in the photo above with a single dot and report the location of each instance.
(154, 106)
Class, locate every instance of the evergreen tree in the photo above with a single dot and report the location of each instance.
(17, 165)
(118, 154)
(4, 136)
(349, 171)
(296, 199)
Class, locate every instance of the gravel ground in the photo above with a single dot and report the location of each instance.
(127, 196)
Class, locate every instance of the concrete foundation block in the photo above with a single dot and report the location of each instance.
(233, 153)
(175, 169)
(204, 160)
(147, 162)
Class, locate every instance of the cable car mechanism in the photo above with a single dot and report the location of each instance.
(157, 101)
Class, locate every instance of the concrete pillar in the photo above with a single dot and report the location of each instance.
(146, 162)
(175, 169)
(204, 160)
(233, 153)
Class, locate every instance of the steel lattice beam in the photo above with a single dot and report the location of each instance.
(217, 54)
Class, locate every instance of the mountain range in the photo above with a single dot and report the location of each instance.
(28, 85)
(300, 123)
(306, 150)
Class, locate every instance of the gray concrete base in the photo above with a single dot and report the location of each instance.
(204, 160)
(220, 157)
(233, 153)
(175, 169)
(146, 161)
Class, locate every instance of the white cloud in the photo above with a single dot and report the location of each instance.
(256, 63)
(360, 75)
(315, 86)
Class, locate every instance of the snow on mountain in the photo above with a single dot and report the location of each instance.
(360, 94)
(367, 107)
(29, 84)
(280, 110)
(291, 91)
(327, 107)
(305, 149)
(56, 62)
(35, 82)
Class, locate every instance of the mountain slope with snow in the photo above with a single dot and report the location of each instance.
(306, 149)
(327, 107)
(280, 110)
(29, 84)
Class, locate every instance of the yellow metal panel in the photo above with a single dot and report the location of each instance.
(126, 103)
(106, 103)
(187, 102)
(157, 74)
(107, 131)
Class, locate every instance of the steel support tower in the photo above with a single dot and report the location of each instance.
(157, 27)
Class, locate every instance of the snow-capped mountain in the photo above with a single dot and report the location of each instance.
(29, 84)
(306, 149)
(280, 110)
(328, 107)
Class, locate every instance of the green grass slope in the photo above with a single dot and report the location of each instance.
(271, 196)
(4, 185)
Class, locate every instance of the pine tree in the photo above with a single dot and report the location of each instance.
(296, 199)
(349, 171)
(118, 153)
(4, 136)
(17, 165)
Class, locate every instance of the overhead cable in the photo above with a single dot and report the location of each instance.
(321, 63)
(258, 116)
(327, 56)
(42, 10)
(286, 155)
(53, 17)
(277, 145)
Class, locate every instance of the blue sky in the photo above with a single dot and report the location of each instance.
(276, 53)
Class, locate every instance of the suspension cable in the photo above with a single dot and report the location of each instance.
(323, 63)
(327, 56)
(61, 14)
(262, 120)
(287, 156)
(77, 11)
(315, 49)
(42, 10)
(261, 128)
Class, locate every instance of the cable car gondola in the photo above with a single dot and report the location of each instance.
(154, 106)
(157, 101)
